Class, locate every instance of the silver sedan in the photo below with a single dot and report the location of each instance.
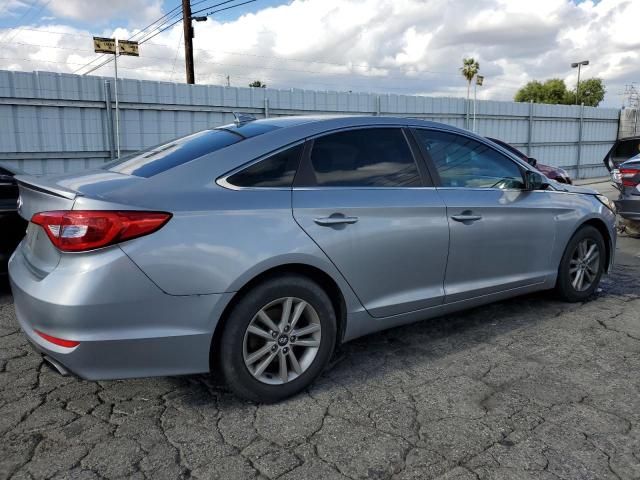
(259, 246)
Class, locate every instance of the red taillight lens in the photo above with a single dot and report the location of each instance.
(61, 342)
(80, 230)
(630, 176)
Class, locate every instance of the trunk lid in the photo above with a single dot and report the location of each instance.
(37, 195)
(41, 194)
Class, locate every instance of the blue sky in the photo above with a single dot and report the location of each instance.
(37, 11)
(392, 46)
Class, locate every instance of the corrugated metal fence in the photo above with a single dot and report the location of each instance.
(52, 122)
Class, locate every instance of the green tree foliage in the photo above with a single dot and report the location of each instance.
(591, 92)
(554, 91)
(258, 84)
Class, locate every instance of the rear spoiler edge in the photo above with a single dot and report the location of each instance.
(41, 185)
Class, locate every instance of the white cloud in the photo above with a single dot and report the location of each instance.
(398, 46)
(100, 12)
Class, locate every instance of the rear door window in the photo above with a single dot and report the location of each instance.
(177, 152)
(369, 157)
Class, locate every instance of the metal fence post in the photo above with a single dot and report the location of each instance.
(530, 130)
(109, 119)
(266, 107)
(580, 140)
(377, 105)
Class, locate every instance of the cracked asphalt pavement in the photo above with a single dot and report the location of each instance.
(526, 388)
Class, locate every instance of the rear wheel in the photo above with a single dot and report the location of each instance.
(582, 265)
(278, 339)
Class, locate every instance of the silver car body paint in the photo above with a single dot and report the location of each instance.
(150, 306)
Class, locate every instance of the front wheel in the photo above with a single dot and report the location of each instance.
(582, 265)
(278, 339)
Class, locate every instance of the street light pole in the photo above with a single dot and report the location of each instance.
(479, 80)
(115, 87)
(574, 65)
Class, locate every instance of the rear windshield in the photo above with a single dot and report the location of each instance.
(163, 157)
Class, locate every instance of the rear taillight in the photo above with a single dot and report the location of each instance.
(80, 230)
(630, 176)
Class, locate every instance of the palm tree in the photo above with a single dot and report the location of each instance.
(469, 70)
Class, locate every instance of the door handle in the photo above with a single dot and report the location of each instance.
(466, 218)
(330, 221)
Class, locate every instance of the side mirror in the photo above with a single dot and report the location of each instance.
(532, 161)
(535, 181)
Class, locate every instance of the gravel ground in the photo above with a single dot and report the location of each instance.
(527, 388)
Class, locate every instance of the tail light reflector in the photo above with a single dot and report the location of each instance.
(61, 342)
(81, 230)
(630, 176)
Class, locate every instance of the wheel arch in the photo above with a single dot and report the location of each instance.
(599, 225)
(322, 278)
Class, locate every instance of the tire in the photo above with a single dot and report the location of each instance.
(240, 346)
(568, 287)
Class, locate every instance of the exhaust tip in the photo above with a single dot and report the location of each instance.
(57, 366)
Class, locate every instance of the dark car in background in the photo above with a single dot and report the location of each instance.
(623, 161)
(12, 226)
(554, 173)
(624, 149)
(627, 178)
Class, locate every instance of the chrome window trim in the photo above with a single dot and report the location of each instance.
(341, 187)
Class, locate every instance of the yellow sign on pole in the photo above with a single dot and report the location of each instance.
(128, 47)
(104, 45)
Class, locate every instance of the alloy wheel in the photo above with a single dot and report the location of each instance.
(584, 265)
(282, 340)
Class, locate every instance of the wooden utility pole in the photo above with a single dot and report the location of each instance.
(188, 40)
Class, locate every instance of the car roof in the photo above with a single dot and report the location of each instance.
(337, 121)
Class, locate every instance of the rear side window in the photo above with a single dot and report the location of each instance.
(169, 155)
(278, 170)
(372, 157)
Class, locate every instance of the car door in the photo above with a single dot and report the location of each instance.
(502, 236)
(363, 198)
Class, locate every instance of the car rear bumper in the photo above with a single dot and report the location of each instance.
(629, 208)
(125, 325)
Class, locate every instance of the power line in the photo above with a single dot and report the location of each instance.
(226, 8)
(173, 69)
(42, 7)
(111, 58)
(257, 67)
(244, 54)
(164, 29)
(155, 24)
(211, 6)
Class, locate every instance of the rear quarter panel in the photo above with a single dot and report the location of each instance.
(233, 237)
